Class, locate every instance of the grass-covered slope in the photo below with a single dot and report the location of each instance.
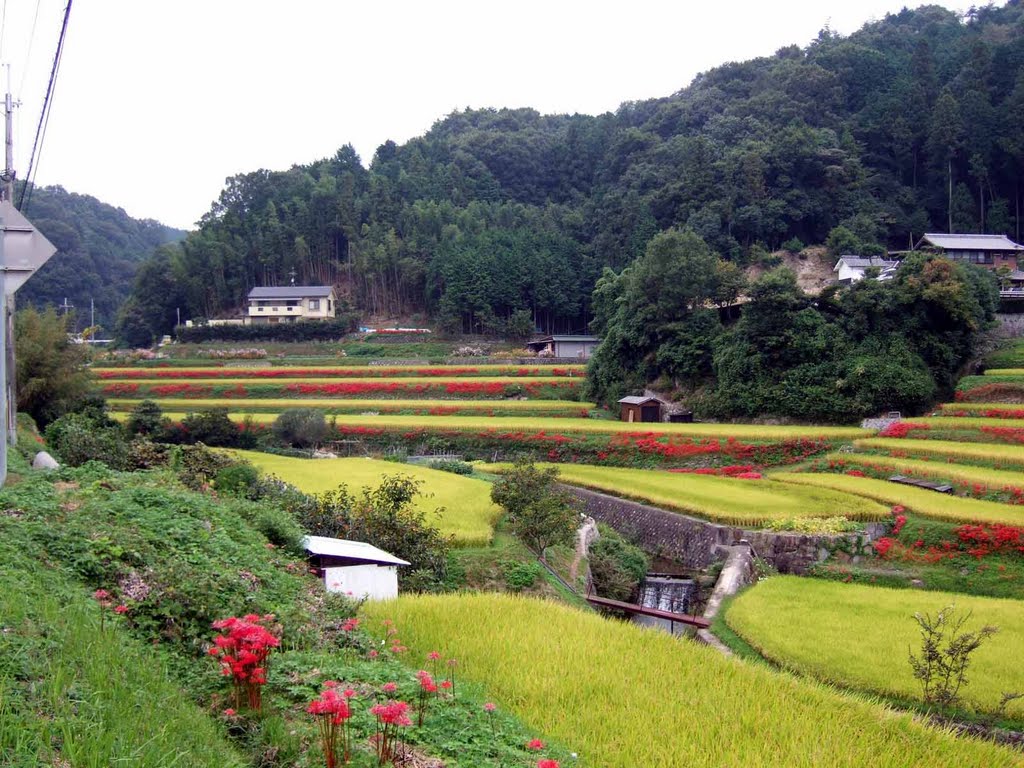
(622, 696)
(989, 454)
(858, 636)
(722, 499)
(468, 513)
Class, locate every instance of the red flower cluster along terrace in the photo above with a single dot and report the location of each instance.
(976, 541)
(551, 388)
(354, 372)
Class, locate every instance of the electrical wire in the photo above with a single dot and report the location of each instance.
(28, 54)
(44, 117)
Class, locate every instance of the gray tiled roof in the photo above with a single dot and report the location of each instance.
(291, 292)
(957, 242)
(860, 262)
(637, 400)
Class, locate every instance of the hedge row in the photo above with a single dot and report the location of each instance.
(298, 331)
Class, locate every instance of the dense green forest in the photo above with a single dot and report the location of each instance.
(99, 249)
(911, 124)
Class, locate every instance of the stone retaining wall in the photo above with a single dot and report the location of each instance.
(697, 543)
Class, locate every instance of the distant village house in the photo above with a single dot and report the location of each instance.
(990, 251)
(291, 303)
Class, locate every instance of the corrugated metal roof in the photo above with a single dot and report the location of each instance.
(290, 292)
(861, 262)
(549, 339)
(350, 550)
(957, 242)
(638, 400)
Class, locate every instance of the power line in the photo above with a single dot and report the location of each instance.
(44, 117)
(28, 54)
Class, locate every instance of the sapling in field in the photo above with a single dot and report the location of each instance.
(946, 649)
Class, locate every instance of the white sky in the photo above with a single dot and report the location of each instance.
(158, 102)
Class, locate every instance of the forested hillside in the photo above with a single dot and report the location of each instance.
(497, 210)
(99, 249)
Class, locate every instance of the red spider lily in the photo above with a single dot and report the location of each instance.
(536, 745)
(121, 609)
(243, 651)
(546, 763)
(390, 717)
(350, 625)
(332, 713)
(427, 687)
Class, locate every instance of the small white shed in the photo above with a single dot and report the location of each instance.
(354, 568)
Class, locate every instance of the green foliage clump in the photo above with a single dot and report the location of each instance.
(146, 419)
(77, 438)
(214, 427)
(301, 427)
(322, 330)
(616, 566)
(539, 512)
(455, 467)
(51, 375)
(521, 575)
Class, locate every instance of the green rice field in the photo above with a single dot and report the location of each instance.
(1004, 372)
(623, 696)
(433, 381)
(570, 408)
(964, 473)
(924, 502)
(469, 514)
(947, 450)
(857, 636)
(728, 500)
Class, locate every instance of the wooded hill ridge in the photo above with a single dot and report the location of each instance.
(494, 211)
(99, 248)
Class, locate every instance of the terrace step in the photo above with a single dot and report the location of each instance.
(926, 484)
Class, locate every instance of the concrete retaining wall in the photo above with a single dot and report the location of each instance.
(697, 543)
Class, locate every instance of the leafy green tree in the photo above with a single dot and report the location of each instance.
(301, 427)
(51, 375)
(540, 512)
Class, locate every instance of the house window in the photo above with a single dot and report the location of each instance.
(261, 309)
(314, 304)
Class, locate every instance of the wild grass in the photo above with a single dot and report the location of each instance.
(622, 696)
(963, 473)
(858, 636)
(75, 693)
(339, 406)
(468, 513)
(924, 502)
(753, 503)
(987, 453)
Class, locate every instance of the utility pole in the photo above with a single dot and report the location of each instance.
(9, 105)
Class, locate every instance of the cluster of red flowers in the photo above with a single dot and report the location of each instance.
(731, 470)
(1005, 434)
(989, 413)
(901, 429)
(391, 716)
(243, 651)
(855, 473)
(106, 601)
(332, 712)
(982, 540)
(900, 520)
(992, 393)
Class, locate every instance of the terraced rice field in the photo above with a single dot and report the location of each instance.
(998, 456)
(527, 426)
(753, 503)
(1005, 372)
(469, 514)
(954, 473)
(924, 502)
(330, 372)
(561, 408)
(857, 636)
(966, 422)
(622, 696)
(987, 410)
(484, 387)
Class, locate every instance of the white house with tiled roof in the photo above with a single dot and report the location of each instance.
(291, 303)
(990, 251)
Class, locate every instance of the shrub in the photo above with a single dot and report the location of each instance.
(237, 479)
(301, 427)
(145, 419)
(793, 245)
(307, 331)
(77, 438)
(540, 513)
(215, 428)
(456, 467)
(197, 465)
(946, 650)
(617, 566)
(519, 575)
